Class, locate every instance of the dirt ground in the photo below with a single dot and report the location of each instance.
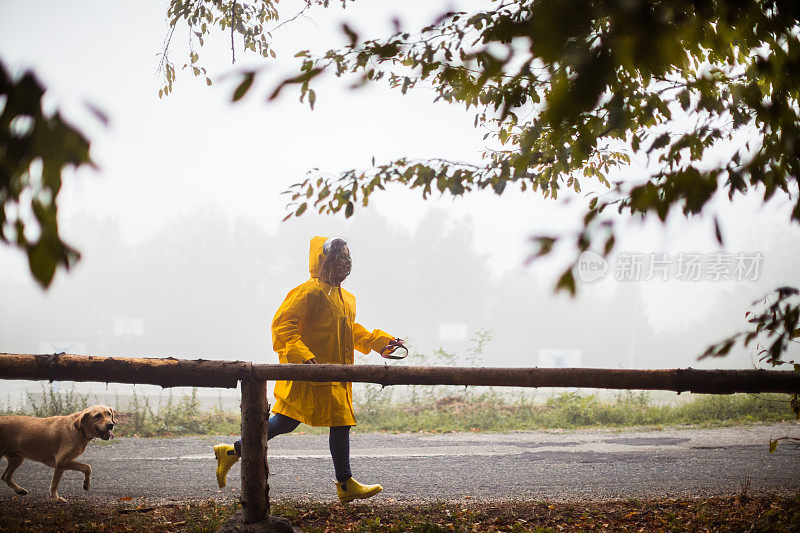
(743, 513)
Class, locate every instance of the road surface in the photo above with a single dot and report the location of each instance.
(540, 465)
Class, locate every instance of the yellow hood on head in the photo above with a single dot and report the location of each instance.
(315, 255)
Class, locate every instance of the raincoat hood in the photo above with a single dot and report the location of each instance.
(316, 256)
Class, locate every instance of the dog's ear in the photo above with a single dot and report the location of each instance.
(79, 420)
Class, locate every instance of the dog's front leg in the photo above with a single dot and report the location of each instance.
(69, 465)
(54, 483)
(14, 461)
(80, 467)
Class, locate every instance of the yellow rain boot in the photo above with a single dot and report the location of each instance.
(226, 458)
(351, 490)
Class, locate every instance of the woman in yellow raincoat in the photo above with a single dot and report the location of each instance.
(316, 324)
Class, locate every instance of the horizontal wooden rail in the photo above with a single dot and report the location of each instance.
(170, 372)
(167, 372)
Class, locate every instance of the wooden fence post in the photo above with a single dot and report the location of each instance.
(255, 489)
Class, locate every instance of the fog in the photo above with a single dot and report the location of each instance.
(208, 285)
(184, 254)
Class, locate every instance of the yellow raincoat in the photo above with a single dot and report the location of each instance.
(319, 320)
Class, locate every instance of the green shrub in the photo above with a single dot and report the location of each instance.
(489, 412)
(183, 416)
(56, 403)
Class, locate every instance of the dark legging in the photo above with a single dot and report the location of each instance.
(338, 441)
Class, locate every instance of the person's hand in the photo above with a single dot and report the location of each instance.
(392, 345)
(395, 342)
(312, 361)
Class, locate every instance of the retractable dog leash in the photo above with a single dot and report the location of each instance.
(394, 351)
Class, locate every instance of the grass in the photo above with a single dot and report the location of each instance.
(489, 412)
(449, 410)
(762, 513)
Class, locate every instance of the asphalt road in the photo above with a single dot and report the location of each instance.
(541, 465)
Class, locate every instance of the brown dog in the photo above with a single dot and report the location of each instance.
(55, 441)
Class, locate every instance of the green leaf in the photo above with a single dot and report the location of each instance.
(725, 348)
(684, 99)
(243, 87)
(351, 34)
(566, 282)
(609, 245)
(660, 142)
(42, 263)
(545, 245)
(773, 445)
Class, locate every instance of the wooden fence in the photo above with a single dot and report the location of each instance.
(170, 372)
